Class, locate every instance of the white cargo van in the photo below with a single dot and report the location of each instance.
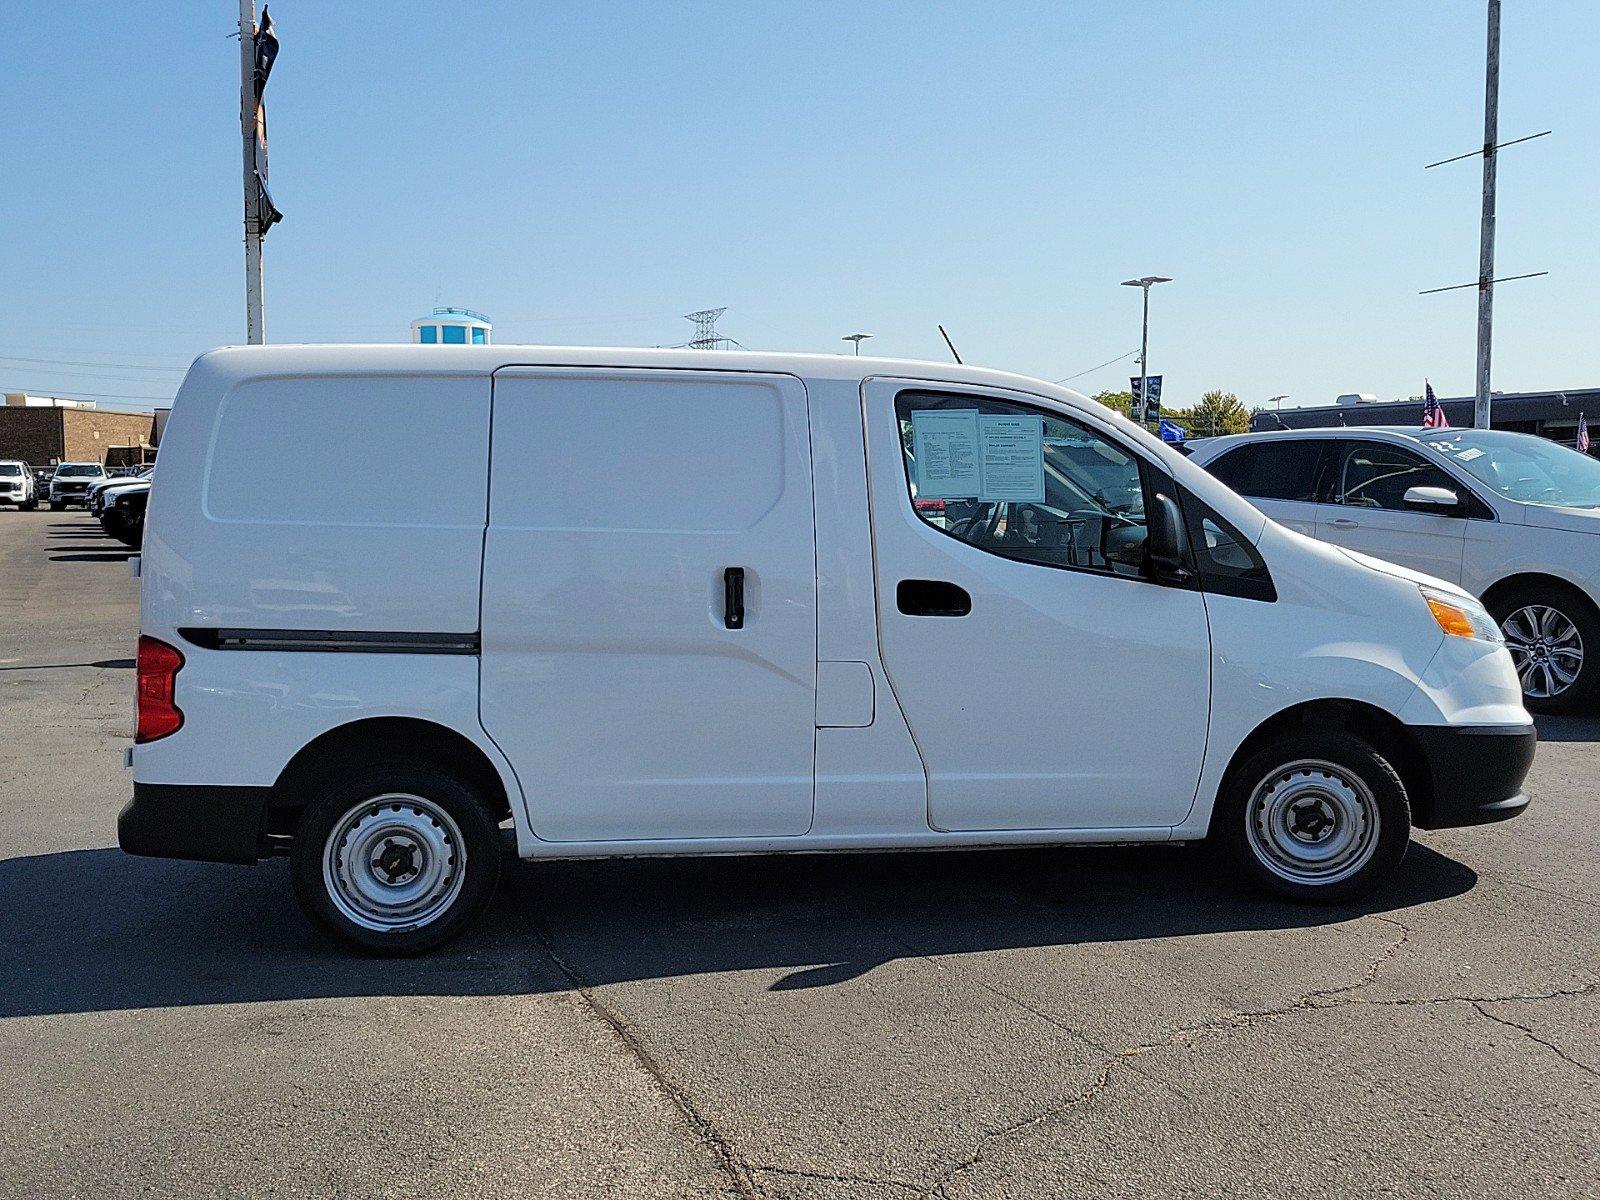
(715, 602)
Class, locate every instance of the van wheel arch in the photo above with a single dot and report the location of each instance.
(1384, 732)
(382, 740)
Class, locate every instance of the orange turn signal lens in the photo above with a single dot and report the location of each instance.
(1452, 620)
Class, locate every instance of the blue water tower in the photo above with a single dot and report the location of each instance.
(452, 327)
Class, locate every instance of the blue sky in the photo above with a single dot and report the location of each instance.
(585, 174)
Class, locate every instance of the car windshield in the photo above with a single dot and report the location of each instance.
(10, 469)
(73, 470)
(1522, 467)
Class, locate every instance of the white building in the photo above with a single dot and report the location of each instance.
(452, 327)
(25, 400)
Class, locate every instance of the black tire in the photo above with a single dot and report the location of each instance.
(56, 506)
(1576, 609)
(341, 801)
(28, 505)
(1305, 780)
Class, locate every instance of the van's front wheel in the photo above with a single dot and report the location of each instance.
(395, 860)
(1319, 817)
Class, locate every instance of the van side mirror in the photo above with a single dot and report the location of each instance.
(1437, 500)
(1165, 560)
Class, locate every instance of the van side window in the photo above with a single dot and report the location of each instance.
(1272, 470)
(1228, 564)
(1022, 483)
(1374, 475)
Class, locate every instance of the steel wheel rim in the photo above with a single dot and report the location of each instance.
(395, 862)
(1546, 648)
(1312, 822)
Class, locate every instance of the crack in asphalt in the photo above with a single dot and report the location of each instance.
(1548, 1045)
(1318, 999)
(830, 1177)
(705, 1132)
(745, 1176)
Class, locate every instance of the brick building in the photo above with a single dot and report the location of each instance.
(43, 436)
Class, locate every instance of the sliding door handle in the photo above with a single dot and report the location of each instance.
(932, 598)
(733, 597)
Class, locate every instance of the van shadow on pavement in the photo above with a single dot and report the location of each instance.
(98, 930)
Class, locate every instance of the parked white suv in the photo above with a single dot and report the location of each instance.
(1512, 518)
(683, 602)
(17, 484)
(70, 484)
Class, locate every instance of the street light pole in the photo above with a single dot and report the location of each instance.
(857, 338)
(1144, 282)
(255, 332)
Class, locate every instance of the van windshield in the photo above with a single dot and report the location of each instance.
(1521, 467)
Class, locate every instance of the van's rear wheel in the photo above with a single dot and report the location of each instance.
(396, 860)
(1319, 817)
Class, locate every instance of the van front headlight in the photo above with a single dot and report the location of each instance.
(1461, 617)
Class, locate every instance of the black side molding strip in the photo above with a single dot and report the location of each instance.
(348, 641)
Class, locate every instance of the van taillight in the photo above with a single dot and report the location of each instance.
(156, 714)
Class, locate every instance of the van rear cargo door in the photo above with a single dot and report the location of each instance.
(649, 602)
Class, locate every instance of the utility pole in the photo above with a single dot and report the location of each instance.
(255, 330)
(1486, 280)
(1491, 124)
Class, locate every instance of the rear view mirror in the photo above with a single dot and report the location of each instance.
(1431, 499)
(1164, 549)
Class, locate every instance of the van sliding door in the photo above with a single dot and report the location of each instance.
(649, 602)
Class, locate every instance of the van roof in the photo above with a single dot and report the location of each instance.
(247, 361)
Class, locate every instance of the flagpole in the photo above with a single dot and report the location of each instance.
(255, 328)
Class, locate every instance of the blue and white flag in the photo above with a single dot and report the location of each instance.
(1171, 431)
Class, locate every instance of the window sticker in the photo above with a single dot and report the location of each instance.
(1469, 455)
(945, 454)
(1013, 458)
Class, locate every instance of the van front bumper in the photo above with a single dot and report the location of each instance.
(206, 824)
(1477, 772)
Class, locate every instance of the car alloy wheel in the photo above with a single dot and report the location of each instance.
(1546, 647)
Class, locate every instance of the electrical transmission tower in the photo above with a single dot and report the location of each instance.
(706, 336)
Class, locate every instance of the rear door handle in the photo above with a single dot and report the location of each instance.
(733, 597)
(932, 598)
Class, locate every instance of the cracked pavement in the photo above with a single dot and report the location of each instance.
(1096, 1023)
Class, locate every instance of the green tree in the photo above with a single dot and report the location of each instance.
(1116, 401)
(1218, 413)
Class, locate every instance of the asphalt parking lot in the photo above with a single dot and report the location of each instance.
(1099, 1023)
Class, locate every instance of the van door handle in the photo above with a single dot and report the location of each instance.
(1344, 523)
(733, 597)
(932, 598)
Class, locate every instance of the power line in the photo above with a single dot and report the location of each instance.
(1101, 367)
(65, 362)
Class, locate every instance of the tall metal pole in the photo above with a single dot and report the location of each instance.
(1144, 360)
(255, 329)
(1491, 122)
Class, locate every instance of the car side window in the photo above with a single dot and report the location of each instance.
(1375, 475)
(1023, 483)
(1275, 469)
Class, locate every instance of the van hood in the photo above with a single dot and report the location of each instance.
(1573, 520)
(1406, 573)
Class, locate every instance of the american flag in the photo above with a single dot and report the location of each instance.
(1432, 410)
(1583, 434)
